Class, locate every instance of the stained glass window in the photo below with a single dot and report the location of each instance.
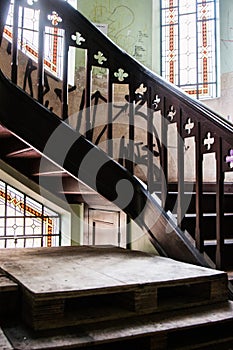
(28, 34)
(189, 45)
(25, 222)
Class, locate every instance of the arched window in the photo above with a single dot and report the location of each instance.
(189, 45)
(25, 222)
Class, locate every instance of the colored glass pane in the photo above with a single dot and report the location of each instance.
(189, 49)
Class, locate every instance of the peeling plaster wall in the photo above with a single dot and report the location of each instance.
(127, 23)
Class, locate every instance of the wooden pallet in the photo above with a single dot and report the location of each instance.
(69, 286)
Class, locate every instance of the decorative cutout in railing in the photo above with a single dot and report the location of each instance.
(54, 18)
(171, 113)
(121, 74)
(100, 57)
(229, 159)
(78, 38)
(208, 141)
(156, 102)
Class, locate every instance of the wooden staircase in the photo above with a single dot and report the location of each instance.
(142, 95)
(100, 298)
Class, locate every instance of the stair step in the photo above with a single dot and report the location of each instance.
(67, 286)
(230, 275)
(209, 225)
(213, 242)
(195, 328)
(208, 202)
(210, 248)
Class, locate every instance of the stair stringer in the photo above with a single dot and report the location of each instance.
(57, 141)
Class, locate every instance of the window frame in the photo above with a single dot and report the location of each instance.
(206, 83)
(17, 207)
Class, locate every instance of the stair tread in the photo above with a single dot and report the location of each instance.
(228, 241)
(230, 275)
(99, 333)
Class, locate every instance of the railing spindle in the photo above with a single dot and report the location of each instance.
(219, 208)
(14, 53)
(180, 164)
(199, 238)
(110, 116)
(64, 96)
(40, 70)
(164, 158)
(131, 128)
(88, 96)
(150, 170)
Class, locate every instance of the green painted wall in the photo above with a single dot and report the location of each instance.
(129, 24)
(134, 25)
(226, 35)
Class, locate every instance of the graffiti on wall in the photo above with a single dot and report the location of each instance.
(125, 26)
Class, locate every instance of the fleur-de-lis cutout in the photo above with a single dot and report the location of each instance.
(141, 90)
(208, 141)
(121, 74)
(78, 38)
(171, 113)
(54, 18)
(100, 57)
(229, 159)
(189, 126)
(31, 2)
(156, 101)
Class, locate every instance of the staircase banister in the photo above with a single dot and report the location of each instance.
(194, 105)
(74, 21)
(184, 100)
(37, 127)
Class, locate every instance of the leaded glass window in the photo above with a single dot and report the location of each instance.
(189, 45)
(28, 34)
(25, 222)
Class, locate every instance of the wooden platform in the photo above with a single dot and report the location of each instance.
(101, 298)
(68, 286)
